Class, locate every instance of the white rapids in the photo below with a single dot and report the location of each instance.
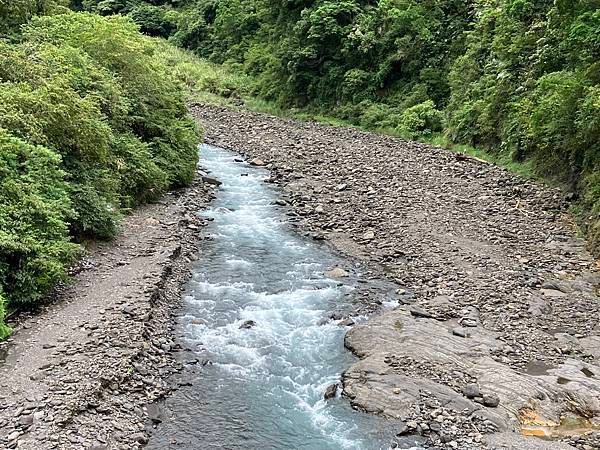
(256, 308)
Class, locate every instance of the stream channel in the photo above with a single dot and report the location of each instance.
(255, 315)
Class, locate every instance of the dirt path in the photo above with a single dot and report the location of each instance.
(79, 374)
(500, 328)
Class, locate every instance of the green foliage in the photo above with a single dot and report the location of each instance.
(4, 330)
(97, 123)
(155, 20)
(518, 78)
(420, 120)
(13, 13)
(205, 81)
(34, 202)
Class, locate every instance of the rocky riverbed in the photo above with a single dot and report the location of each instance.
(498, 334)
(84, 372)
(496, 339)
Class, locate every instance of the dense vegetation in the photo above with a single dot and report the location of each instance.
(92, 114)
(519, 78)
(92, 122)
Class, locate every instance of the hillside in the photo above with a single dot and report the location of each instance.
(516, 78)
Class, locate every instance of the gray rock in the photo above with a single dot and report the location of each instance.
(417, 311)
(471, 390)
(257, 162)
(247, 324)
(491, 400)
(26, 420)
(337, 272)
(330, 391)
(154, 413)
(461, 332)
(402, 429)
(140, 438)
(211, 180)
(13, 436)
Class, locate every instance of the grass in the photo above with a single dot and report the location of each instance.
(206, 82)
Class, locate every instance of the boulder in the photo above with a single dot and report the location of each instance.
(257, 162)
(247, 324)
(330, 391)
(337, 272)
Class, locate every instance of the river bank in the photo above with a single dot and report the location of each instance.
(499, 332)
(80, 373)
(496, 336)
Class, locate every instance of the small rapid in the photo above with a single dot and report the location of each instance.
(255, 314)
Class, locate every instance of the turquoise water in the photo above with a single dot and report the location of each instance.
(264, 386)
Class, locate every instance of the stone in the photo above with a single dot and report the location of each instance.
(469, 322)
(461, 332)
(337, 272)
(417, 311)
(210, 180)
(552, 293)
(154, 413)
(26, 420)
(346, 322)
(412, 425)
(14, 435)
(369, 235)
(140, 438)
(247, 324)
(330, 392)
(471, 390)
(491, 400)
(402, 428)
(257, 162)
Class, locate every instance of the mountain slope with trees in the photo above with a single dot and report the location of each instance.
(519, 78)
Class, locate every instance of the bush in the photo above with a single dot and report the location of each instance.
(34, 208)
(4, 330)
(420, 120)
(16, 12)
(379, 116)
(205, 81)
(97, 124)
(155, 20)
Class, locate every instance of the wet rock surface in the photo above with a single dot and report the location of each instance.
(497, 292)
(84, 372)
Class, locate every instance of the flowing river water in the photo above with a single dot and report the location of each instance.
(260, 384)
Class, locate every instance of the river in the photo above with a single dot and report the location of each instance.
(256, 314)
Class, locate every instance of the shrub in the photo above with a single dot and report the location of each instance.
(202, 78)
(34, 209)
(154, 20)
(16, 12)
(420, 120)
(379, 116)
(4, 330)
(97, 124)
